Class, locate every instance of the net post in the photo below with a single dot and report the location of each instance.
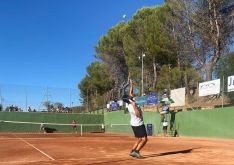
(81, 130)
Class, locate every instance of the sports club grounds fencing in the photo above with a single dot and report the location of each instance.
(38, 98)
(50, 98)
(212, 94)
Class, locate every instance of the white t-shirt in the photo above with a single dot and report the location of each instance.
(135, 121)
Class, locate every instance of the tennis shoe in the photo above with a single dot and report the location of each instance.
(138, 155)
(133, 154)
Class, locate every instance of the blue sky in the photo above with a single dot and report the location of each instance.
(51, 42)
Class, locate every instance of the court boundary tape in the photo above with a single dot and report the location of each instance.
(48, 156)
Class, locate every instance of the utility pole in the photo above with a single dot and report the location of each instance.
(26, 99)
(142, 73)
(0, 96)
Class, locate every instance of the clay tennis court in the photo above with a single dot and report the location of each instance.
(101, 149)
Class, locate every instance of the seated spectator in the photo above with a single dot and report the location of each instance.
(29, 109)
(11, 109)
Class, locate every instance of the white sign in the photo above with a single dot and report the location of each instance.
(230, 83)
(178, 95)
(209, 88)
(120, 102)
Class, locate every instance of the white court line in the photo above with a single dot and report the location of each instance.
(35, 148)
(17, 162)
(3, 138)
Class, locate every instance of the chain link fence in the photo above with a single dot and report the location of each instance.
(223, 99)
(36, 98)
(190, 99)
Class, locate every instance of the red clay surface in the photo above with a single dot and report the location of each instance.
(111, 149)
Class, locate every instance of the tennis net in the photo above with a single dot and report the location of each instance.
(35, 127)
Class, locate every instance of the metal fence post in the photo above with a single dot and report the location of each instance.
(223, 92)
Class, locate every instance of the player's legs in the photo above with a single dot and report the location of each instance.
(44, 130)
(142, 143)
(141, 136)
(163, 115)
(136, 144)
(74, 129)
(164, 131)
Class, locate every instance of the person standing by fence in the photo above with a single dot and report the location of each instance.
(74, 126)
(42, 128)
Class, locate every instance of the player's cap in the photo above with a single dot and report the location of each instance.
(125, 98)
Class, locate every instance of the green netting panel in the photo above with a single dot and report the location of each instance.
(118, 128)
(35, 119)
(217, 123)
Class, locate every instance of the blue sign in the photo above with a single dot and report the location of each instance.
(152, 99)
(114, 106)
(149, 128)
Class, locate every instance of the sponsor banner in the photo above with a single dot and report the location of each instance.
(209, 88)
(230, 84)
(141, 101)
(152, 99)
(178, 96)
(114, 106)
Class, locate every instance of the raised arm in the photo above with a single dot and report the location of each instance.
(138, 114)
(131, 89)
(131, 99)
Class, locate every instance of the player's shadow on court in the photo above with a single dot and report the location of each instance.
(187, 151)
(50, 130)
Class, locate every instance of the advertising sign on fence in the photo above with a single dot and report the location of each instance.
(152, 99)
(209, 88)
(114, 106)
(178, 95)
(230, 83)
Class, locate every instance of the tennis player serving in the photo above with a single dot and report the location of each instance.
(137, 124)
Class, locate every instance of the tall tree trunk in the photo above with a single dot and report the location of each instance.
(217, 39)
(209, 69)
(186, 83)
